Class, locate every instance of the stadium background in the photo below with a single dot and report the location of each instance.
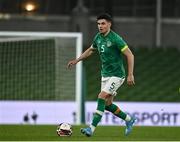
(135, 20)
(151, 28)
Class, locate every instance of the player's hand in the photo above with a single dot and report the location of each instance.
(130, 80)
(71, 63)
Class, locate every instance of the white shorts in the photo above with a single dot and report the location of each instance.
(111, 84)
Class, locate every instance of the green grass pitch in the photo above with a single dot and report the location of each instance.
(102, 133)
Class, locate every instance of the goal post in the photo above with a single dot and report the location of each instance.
(78, 86)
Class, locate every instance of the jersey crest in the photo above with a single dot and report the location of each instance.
(109, 43)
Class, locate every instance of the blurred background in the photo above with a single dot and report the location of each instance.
(141, 23)
(150, 27)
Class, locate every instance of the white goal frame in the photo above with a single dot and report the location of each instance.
(79, 42)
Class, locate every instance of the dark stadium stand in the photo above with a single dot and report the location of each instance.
(157, 76)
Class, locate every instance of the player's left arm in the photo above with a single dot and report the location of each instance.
(130, 61)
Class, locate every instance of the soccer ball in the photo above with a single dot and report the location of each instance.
(64, 129)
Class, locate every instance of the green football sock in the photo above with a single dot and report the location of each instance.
(116, 111)
(99, 112)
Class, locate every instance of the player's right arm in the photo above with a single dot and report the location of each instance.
(88, 52)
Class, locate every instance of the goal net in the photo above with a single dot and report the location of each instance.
(33, 67)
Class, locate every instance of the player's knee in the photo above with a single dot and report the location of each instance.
(103, 95)
(108, 102)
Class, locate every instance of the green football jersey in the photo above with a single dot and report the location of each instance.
(110, 49)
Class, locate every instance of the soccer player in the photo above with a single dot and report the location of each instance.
(110, 47)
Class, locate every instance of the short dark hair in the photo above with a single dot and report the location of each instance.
(105, 16)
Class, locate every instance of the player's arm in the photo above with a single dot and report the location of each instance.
(88, 52)
(130, 61)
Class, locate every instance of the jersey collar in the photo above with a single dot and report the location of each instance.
(106, 34)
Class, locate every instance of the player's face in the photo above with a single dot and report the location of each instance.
(103, 26)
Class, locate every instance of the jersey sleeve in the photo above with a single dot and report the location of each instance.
(121, 44)
(94, 43)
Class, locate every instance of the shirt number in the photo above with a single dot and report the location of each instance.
(102, 48)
